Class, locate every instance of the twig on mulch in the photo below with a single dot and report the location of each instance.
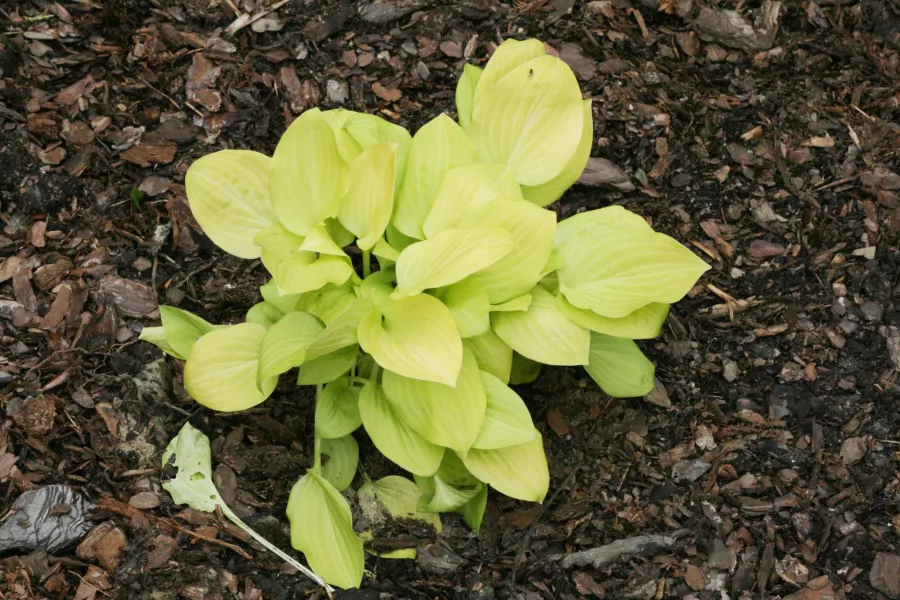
(610, 553)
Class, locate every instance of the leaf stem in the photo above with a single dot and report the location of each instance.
(317, 440)
(367, 263)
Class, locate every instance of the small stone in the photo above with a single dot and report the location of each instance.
(144, 500)
(872, 310)
(853, 449)
(689, 470)
(681, 180)
(885, 574)
(703, 438)
(792, 570)
(336, 92)
(658, 396)
(718, 556)
(730, 370)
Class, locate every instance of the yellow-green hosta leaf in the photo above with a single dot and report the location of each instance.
(414, 337)
(366, 209)
(228, 192)
(440, 145)
(275, 296)
(326, 303)
(347, 147)
(286, 343)
(394, 438)
(619, 367)
(378, 286)
(182, 328)
(507, 57)
(397, 240)
(337, 410)
(370, 129)
(339, 468)
(469, 304)
(614, 271)
(531, 119)
(507, 421)
(465, 188)
(542, 333)
(338, 233)
(550, 191)
(264, 313)
(491, 353)
(308, 176)
(157, 337)
(595, 221)
(473, 511)
(221, 370)
(465, 94)
(400, 498)
(524, 370)
(517, 471)
(322, 528)
(532, 227)
(341, 331)
(386, 254)
(446, 497)
(443, 415)
(297, 271)
(520, 303)
(319, 241)
(450, 256)
(643, 324)
(327, 368)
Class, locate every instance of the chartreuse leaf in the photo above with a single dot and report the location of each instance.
(643, 324)
(465, 94)
(443, 415)
(614, 271)
(366, 209)
(437, 147)
(221, 369)
(322, 528)
(520, 303)
(508, 56)
(399, 241)
(414, 337)
(542, 333)
(180, 330)
(285, 344)
(343, 457)
(394, 438)
(337, 410)
(524, 370)
(532, 228)
(370, 129)
(596, 220)
(264, 314)
(507, 421)
(338, 233)
(531, 119)
(446, 497)
(550, 191)
(469, 304)
(517, 471)
(157, 337)
(473, 511)
(619, 367)
(491, 353)
(400, 498)
(228, 192)
(277, 298)
(385, 252)
(466, 187)
(347, 147)
(193, 485)
(326, 303)
(378, 286)
(341, 331)
(329, 367)
(450, 256)
(297, 271)
(319, 241)
(308, 176)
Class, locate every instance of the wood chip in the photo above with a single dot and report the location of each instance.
(386, 94)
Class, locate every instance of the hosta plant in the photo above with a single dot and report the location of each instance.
(413, 280)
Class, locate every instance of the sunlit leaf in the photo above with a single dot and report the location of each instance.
(531, 119)
(337, 410)
(326, 303)
(264, 313)
(542, 333)
(492, 354)
(342, 454)
(347, 147)
(443, 415)
(322, 528)
(277, 298)
(285, 344)
(644, 323)
(308, 176)
(473, 511)
(394, 438)
(298, 271)
(399, 241)
(319, 241)
(446, 497)
(366, 209)
(507, 421)
(339, 233)
(450, 256)
(193, 483)
(614, 271)
(532, 227)
(221, 369)
(520, 303)
(524, 370)
(157, 337)
(341, 331)
(465, 94)
(550, 191)
(595, 221)
(517, 471)
(228, 192)
(414, 337)
(378, 286)
(508, 56)
(619, 367)
(465, 188)
(385, 252)
(400, 498)
(368, 130)
(469, 304)
(182, 328)
(440, 145)
(328, 367)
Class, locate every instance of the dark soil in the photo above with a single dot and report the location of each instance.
(769, 452)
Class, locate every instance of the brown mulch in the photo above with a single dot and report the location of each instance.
(764, 464)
